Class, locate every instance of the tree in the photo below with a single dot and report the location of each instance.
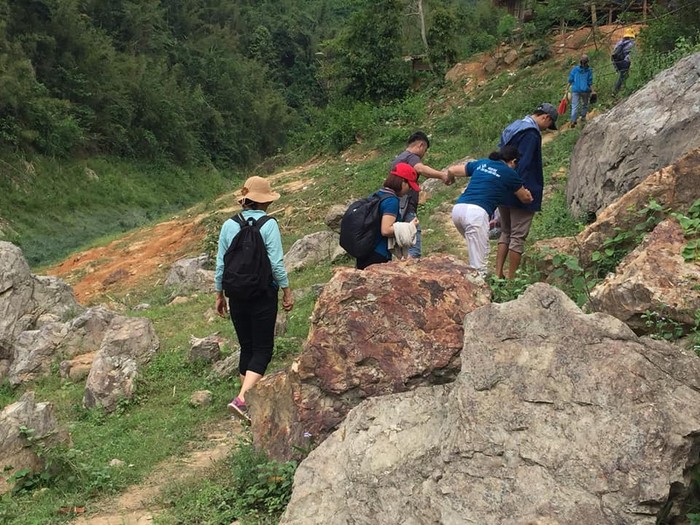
(365, 60)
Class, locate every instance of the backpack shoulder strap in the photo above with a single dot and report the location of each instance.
(239, 219)
(262, 220)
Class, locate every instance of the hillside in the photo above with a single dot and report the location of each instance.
(159, 426)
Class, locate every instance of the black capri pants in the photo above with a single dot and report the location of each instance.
(254, 322)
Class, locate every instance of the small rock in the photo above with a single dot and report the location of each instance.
(116, 463)
(201, 398)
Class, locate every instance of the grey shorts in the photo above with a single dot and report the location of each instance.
(515, 226)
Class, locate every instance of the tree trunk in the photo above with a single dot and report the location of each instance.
(421, 17)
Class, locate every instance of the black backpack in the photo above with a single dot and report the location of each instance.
(360, 225)
(618, 54)
(247, 268)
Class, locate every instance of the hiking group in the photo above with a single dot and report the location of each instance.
(507, 186)
(375, 229)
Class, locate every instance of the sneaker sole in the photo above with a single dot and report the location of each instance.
(234, 410)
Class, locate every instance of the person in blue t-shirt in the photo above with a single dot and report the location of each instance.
(400, 180)
(492, 181)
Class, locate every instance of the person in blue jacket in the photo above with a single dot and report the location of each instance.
(492, 181)
(516, 218)
(581, 85)
(402, 178)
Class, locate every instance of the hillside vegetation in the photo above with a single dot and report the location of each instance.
(192, 66)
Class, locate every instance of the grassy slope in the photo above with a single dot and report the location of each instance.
(51, 207)
(159, 421)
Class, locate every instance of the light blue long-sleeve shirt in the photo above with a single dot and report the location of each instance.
(273, 243)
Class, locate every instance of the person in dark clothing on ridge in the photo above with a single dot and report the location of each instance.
(621, 58)
(516, 218)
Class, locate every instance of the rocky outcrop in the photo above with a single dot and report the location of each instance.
(28, 302)
(674, 188)
(390, 328)
(651, 129)
(42, 325)
(16, 450)
(191, 274)
(313, 249)
(653, 280)
(556, 417)
(35, 351)
(129, 344)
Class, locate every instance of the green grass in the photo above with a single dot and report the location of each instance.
(51, 208)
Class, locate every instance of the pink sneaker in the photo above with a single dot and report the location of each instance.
(239, 409)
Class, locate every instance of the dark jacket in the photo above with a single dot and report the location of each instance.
(525, 135)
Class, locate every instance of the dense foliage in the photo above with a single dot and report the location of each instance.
(206, 80)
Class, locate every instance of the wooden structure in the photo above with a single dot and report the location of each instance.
(523, 9)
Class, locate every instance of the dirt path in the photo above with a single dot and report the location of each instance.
(138, 505)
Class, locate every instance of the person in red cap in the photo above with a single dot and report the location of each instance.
(398, 183)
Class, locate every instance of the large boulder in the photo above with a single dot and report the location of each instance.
(389, 328)
(556, 417)
(28, 302)
(35, 351)
(651, 129)
(19, 448)
(673, 188)
(653, 280)
(191, 274)
(313, 249)
(129, 344)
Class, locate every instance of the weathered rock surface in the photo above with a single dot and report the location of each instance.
(390, 328)
(206, 349)
(191, 274)
(129, 344)
(15, 451)
(651, 129)
(653, 278)
(334, 215)
(556, 417)
(42, 325)
(313, 249)
(28, 302)
(34, 351)
(675, 187)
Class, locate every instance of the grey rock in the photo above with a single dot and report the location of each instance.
(206, 349)
(15, 450)
(313, 249)
(191, 274)
(334, 215)
(556, 417)
(650, 130)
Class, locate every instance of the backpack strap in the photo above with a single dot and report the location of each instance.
(242, 221)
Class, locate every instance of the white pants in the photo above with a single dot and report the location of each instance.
(472, 223)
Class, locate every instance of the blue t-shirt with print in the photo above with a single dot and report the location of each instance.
(389, 206)
(492, 182)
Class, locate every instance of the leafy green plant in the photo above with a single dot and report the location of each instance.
(691, 229)
(504, 290)
(615, 248)
(248, 487)
(662, 327)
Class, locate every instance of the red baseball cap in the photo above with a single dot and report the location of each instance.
(406, 172)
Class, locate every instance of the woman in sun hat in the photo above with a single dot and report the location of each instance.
(253, 319)
(400, 180)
